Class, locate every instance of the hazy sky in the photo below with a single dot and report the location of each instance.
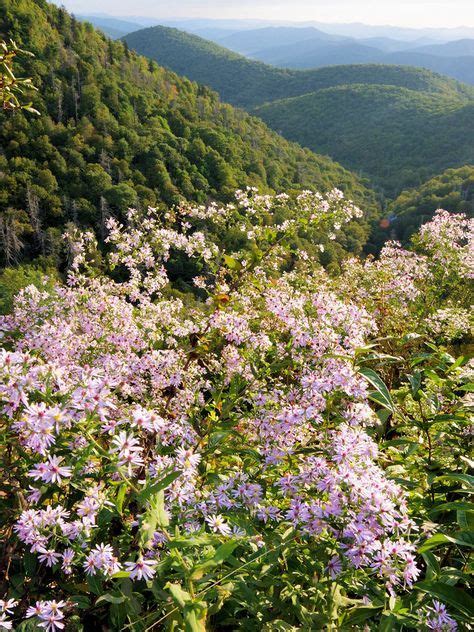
(417, 13)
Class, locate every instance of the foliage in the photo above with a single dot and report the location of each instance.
(12, 88)
(12, 280)
(394, 124)
(248, 83)
(287, 453)
(452, 190)
(397, 136)
(116, 131)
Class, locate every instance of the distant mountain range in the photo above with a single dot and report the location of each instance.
(204, 26)
(395, 124)
(447, 51)
(303, 48)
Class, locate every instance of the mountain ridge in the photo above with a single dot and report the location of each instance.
(375, 123)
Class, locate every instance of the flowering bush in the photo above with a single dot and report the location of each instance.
(214, 460)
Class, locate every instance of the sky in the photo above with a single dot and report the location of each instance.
(411, 13)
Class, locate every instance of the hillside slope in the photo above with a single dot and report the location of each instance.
(248, 83)
(452, 190)
(399, 137)
(116, 130)
(395, 124)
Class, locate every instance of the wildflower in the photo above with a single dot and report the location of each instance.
(8, 605)
(68, 557)
(49, 557)
(217, 524)
(334, 567)
(438, 618)
(50, 472)
(141, 569)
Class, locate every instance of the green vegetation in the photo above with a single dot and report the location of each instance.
(396, 125)
(399, 137)
(249, 83)
(452, 190)
(116, 130)
(12, 88)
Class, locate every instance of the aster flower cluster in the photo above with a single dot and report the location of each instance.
(436, 617)
(249, 406)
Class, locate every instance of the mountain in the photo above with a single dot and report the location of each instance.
(458, 48)
(247, 83)
(397, 136)
(396, 125)
(452, 190)
(116, 130)
(113, 27)
(390, 45)
(361, 31)
(253, 40)
(306, 48)
(316, 54)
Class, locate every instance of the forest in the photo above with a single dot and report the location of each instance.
(397, 126)
(115, 131)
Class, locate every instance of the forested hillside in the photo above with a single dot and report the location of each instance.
(396, 125)
(452, 190)
(397, 136)
(115, 130)
(248, 83)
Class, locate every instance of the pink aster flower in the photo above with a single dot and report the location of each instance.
(50, 472)
(218, 525)
(334, 567)
(7, 605)
(5, 624)
(141, 569)
(49, 557)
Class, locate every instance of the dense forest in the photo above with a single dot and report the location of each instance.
(396, 125)
(397, 136)
(115, 130)
(247, 83)
(453, 189)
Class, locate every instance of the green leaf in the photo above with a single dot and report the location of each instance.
(465, 519)
(121, 493)
(81, 601)
(157, 486)
(194, 616)
(464, 478)
(461, 538)
(155, 516)
(121, 575)
(232, 263)
(95, 584)
(381, 394)
(457, 505)
(432, 565)
(359, 615)
(224, 551)
(415, 382)
(387, 624)
(109, 598)
(180, 596)
(455, 597)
